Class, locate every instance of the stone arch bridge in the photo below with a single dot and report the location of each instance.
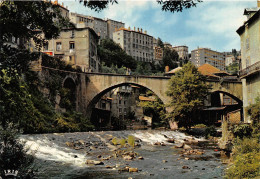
(90, 87)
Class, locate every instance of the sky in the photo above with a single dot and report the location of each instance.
(211, 24)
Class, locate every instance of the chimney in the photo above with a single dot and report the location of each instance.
(62, 4)
(56, 2)
(129, 28)
(134, 28)
(141, 30)
(145, 32)
(138, 29)
(258, 3)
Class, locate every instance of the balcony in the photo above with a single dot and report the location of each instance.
(250, 70)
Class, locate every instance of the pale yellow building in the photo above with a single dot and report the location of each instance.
(76, 46)
(183, 51)
(249, 34)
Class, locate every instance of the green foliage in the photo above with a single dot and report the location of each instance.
(160, 43)
(254, 111)
(243, 130)
(210, 131)
(233, 68)
(72, 122)
(115, 141)
(122, 142)
(172, 6)
(246, 159)
(13, 154)
(112, 54)
(131, 140)
(155, 108)
(187, 90)
(170, 58)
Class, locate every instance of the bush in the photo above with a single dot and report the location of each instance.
(131, 140)
(245, 166)
(242, 131)
(210, 131)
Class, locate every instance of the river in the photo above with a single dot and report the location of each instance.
(55, 159)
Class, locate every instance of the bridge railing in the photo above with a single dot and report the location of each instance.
(250, 70)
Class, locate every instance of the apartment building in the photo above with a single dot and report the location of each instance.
(182, 51)
(136, 43)
(76, 46)
(250, 57)
(104, 28)
(201, 56)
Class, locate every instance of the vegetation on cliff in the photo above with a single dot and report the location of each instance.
(246, 150)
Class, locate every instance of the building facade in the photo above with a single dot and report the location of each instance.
(76, 46)
(249, 34)
(202, 56)
(104, 28)
(136, 43)
(182, 51)
(229, 59)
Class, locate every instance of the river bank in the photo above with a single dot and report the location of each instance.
(73, 155)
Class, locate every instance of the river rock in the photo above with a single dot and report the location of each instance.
(128, 157)
(164, 161)
(186, 147)
(94, 162)
(179, 145)
(157, 143)
(70, 144)
(82, 142)
(133, 169)
(99, 156)
(140, 158)
(185, 167)
(171, 140)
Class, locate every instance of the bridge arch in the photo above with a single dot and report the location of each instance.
(238, 100)
(97, 97)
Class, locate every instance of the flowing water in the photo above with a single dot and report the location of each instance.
(54, 159)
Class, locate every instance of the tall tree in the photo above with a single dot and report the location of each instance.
(160, 43)
(170, 58)
(187, 90)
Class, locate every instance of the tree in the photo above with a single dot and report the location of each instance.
(170, 58)
(233, 68)
(187, 90)
(172, 6)
(160, 43)
(111, 53)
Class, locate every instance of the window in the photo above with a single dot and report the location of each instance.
(58, 46)
(72, 34)
(72, 45)
(120, 110)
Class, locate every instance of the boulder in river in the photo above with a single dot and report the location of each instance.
(179, 145)
(133, 169)
(128, 157)
(70, 144)
(186, 147)
(185, 167)
(171, 140)
(94, 162)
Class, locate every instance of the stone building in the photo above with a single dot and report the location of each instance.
(136, 43)
(104, 28)
(158, 55)
(250, 57)
(201, 56)
(76, 46)
(182, 51)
